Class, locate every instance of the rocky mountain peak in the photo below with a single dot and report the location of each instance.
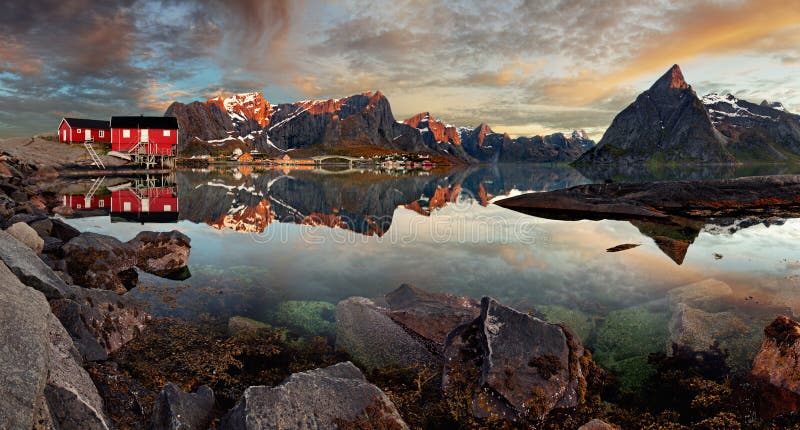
(774, 105)
(243, 107)
(441, 132)
(672, 79)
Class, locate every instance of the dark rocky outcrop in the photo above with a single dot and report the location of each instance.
(99, 261)
(176, 410)
(661, 200)
(104, 262)
(333, 397)
(514, 365)
(666, 123)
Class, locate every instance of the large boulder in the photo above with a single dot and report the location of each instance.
(176, 410)
(365, 331)
(514, 365)
(24, 350)
(429, 315)
(164, 254)
(27, 235)
(99, 321)
(72, 398)
(100, 261)
(333, 397)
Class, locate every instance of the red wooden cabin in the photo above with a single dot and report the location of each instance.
(152, 135)
(80, 130)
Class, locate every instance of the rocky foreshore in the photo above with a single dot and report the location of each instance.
(78, 352)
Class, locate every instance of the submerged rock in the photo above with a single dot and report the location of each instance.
(365, 331)
(164, 254)
(308, 317)
(27, 235)
(29, 268)
(514, 365)
(238, 324)
(329, 398)
(176, 410)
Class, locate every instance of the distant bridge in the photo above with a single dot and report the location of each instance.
(319, 159)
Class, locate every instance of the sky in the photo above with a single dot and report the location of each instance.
(523, 66)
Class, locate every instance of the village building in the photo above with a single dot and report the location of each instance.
(153, 135)
(80, 130)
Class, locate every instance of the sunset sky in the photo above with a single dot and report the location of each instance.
(525, 67)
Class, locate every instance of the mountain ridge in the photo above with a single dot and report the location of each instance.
(360, 122)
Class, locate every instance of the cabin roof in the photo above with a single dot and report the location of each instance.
(160, 122)
(86, 123)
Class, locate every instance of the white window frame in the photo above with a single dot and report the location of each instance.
(101, 203)
(79, 130)
(167, 133)
(126, 134)
(101, 133)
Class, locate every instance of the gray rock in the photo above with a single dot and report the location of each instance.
(318, 399)
(374, 340)
(72, 398)
(523, 366)
(176, 410)
(99, 321)
(29, 268)
(27, 235)
(23, 352)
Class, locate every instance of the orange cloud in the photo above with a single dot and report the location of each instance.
(707, 29)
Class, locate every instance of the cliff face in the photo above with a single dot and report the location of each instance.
(666, 123)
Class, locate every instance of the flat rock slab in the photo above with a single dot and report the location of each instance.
(29, 268)
(321, 399)
(663, 199)
(430, 315)
(23, 351)
(365, 331)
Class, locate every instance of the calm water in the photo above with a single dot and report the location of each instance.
(261, 239)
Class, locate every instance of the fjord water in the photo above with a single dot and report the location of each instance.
(283, 246)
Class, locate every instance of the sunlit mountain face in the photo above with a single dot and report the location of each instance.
(535, 80)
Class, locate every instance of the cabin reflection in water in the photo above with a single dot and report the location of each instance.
(147, 199)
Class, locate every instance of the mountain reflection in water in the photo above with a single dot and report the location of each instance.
(262, 238)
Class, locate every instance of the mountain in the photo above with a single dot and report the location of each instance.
(670, 123)
(755, 132)
(666, 123)
(361, 124)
